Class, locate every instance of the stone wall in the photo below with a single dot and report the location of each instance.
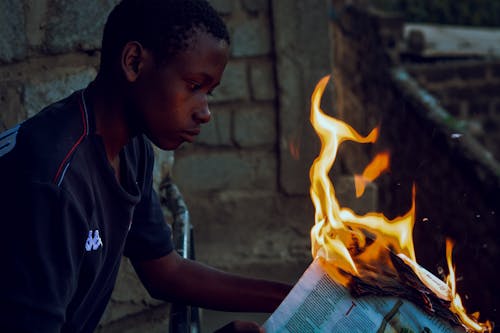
(246, 191)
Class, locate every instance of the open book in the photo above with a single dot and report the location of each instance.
(318, 304)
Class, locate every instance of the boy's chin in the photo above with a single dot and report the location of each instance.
(166, 144)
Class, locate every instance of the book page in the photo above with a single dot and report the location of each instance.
(319, 304)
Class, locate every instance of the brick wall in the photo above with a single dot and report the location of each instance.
(469, 91)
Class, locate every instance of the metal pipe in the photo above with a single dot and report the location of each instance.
(183, 318)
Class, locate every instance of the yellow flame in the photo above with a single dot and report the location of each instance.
(340, 236)
(336, 228)
(329, 233)
(456, 306)
(377, 166)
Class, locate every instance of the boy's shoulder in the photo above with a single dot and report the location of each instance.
(39, 146)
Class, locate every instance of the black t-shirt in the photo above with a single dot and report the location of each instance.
(66, 221)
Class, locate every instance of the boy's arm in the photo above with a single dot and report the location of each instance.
(175, 279)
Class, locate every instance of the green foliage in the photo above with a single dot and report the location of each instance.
(456, 12)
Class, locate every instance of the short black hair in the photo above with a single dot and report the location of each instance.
(161, 26)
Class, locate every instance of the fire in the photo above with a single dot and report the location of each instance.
(379, 164)
(456, 303)
(348, 240)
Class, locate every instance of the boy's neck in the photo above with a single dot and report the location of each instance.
(108, 103)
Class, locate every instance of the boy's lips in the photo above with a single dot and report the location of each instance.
(190, 134)
(193, 132)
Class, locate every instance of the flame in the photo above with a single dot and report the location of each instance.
(346, 239)
(379, 164)
(337, 228)
(456, 303)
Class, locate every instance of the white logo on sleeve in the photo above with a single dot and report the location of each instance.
(93, 241)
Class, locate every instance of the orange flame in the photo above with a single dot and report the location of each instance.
(379, 164)
(338, 233)
(456, 303)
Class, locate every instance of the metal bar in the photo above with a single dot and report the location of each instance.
(195, 312)
(183, 318)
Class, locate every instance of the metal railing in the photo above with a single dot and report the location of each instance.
(183, 318)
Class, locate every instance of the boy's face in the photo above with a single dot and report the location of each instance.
(172, 99)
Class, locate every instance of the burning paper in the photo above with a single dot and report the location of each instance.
(319, 304)
(365, 266)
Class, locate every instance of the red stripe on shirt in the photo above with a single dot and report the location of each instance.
(80, 139)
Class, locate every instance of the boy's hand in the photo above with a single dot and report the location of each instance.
(238, 326)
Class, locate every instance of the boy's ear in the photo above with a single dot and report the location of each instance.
(133, 60)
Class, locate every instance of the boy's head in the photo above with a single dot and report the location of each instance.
(166, 56)
(164, 27)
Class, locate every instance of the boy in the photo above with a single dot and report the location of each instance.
(76, 179)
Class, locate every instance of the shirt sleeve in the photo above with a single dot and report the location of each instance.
(40, 253)
(150, 236)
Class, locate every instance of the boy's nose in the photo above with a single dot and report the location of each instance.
(203, 115)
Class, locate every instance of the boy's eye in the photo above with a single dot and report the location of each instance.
(194, 86)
